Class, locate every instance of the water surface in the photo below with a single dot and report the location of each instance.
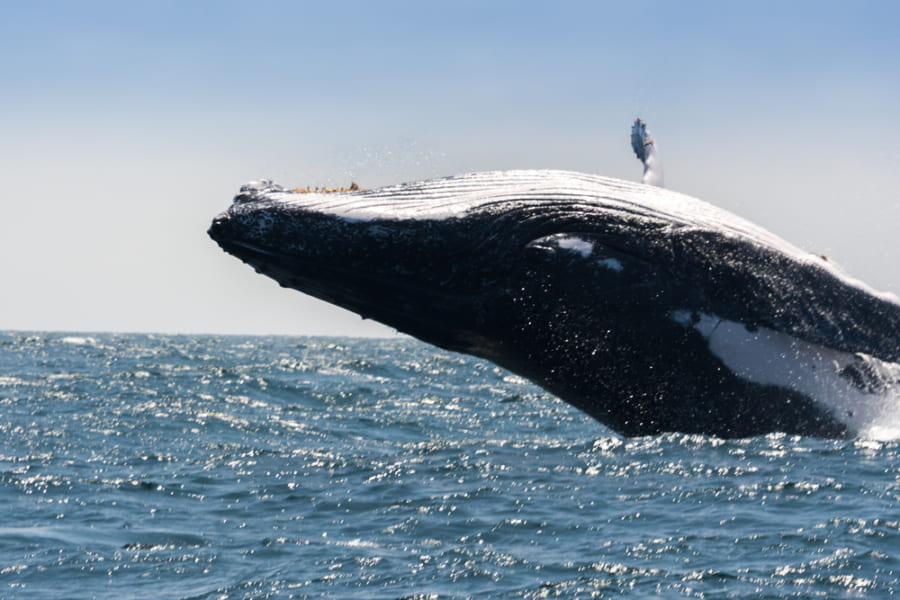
(150, 466)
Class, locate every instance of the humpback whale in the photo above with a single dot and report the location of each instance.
(647, 309)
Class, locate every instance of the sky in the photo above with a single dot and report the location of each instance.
(125, 127)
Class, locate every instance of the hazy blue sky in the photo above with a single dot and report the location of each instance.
(126, 126)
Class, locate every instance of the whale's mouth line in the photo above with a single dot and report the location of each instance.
(228, 245)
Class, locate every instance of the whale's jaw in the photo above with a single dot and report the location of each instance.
(616, 297)
(385, 270)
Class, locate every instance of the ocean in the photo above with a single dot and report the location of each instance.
(221, 467)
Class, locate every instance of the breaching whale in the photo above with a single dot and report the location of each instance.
(649, 310)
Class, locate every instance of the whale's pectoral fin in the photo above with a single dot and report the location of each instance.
(645, 149)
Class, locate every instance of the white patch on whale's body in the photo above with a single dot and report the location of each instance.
(612, 264)
(576, 245)
(769, 357)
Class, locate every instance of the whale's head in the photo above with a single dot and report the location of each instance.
(451, 261)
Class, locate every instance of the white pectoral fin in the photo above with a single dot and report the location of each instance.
(645, 149)
(856, 389)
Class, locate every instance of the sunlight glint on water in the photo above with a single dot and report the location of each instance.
(228, 467)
